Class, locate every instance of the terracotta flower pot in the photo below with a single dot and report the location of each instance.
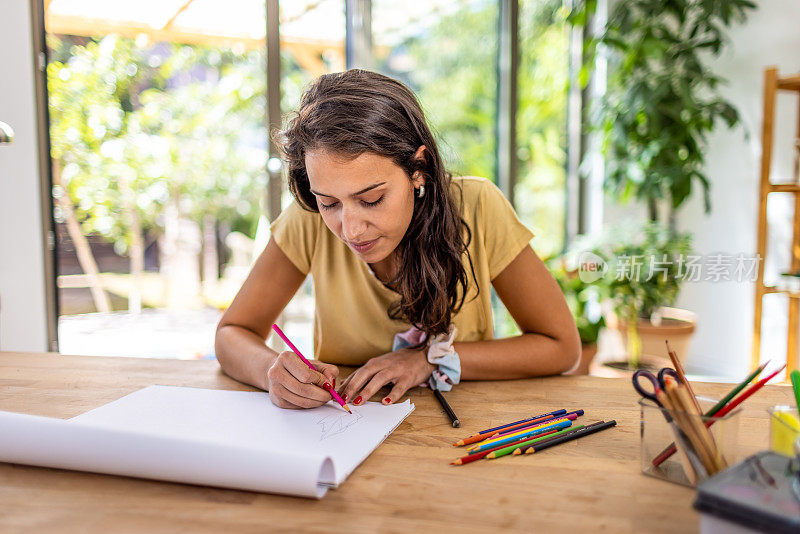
(677, 326)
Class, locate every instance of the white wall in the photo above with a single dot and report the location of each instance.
(22, 293)
(722, 344)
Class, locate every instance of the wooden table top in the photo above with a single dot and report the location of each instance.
(406, 485)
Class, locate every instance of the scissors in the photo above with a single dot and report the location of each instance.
(657, 382)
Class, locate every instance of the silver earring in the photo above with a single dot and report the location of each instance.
(421, 191)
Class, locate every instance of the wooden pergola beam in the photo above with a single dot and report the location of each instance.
(177, 13)
(83, 26)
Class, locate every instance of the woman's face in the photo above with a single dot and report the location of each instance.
(367, 202)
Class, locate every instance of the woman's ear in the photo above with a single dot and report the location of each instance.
(421, 154)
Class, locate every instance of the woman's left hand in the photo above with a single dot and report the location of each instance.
(405, 368)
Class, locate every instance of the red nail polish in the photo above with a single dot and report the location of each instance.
(326, 386)
(334, 382)
(357, 400)
(387, 400)
(344, 397)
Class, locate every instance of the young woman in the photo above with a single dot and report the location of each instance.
(401, 255)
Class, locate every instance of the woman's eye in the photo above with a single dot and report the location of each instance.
(373, 203)
(364, 202)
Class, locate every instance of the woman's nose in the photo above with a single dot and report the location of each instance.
(353, 224)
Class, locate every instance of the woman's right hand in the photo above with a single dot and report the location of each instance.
(292, 384)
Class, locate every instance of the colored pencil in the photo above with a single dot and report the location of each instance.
(467, 441)
(682, 375)
(568, 431)
(732, 393)
(511, 449)
(447, 409)
(569, 437)
(479, 455)
(332, 391)
(563, 424)
(717, 407)
(520, 432)
(570, 416)
(689, 467)
(669, 451)
(691, 425)
(795, 377)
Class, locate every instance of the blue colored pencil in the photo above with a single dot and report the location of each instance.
(559, 426)
(473, 438)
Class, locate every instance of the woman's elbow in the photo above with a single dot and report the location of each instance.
(570, 350)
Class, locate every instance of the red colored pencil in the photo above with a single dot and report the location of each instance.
(486, 434)
(331, 391)
(478, 455)
(728, 408)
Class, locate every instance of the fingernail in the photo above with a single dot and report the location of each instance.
(387, 400)
(357, 400)
(334, 382)
(326, 386)
(344, 397)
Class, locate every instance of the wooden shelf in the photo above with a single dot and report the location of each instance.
(784, 188)
(772, 84)
(771, 290)
(790, 83)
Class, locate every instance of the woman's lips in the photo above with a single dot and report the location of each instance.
(364, 246)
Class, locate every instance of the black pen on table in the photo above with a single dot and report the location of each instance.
(448, 410)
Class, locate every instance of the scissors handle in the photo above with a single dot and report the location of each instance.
(650, 394)
(667, 371)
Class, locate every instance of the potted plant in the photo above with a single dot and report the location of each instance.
(583, 300)
(641, 276)
(661, 102)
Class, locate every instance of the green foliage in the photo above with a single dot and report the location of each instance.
(541, 122)
(180, 124)
(583, 299)
(662, 100)
(452, 67)
(645, 269)
(455, 80)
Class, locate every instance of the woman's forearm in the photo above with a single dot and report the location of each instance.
(520, 356)
(243, 355)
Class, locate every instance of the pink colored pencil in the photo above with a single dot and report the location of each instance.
(332, 391)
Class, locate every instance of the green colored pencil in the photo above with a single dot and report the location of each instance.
(795, 376)
(718, 406)
(515, 446)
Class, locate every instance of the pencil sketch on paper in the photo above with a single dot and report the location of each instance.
(335, 424)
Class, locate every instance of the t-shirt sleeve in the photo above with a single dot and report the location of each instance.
(296, 231)
(504, 234)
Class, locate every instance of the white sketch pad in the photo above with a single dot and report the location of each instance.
(203, 436)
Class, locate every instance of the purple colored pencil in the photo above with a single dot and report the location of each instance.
(569, 415)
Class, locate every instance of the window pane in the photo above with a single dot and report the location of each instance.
(158, 149)
(447, 53)
(312, 44)
(541, 122)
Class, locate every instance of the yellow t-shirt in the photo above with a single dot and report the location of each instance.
(351, 323)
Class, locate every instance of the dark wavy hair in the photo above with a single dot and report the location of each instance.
(357, 111)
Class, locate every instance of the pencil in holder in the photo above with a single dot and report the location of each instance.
(673, 449)
(784, 429)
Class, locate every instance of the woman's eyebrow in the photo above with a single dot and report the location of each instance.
(370, 188)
